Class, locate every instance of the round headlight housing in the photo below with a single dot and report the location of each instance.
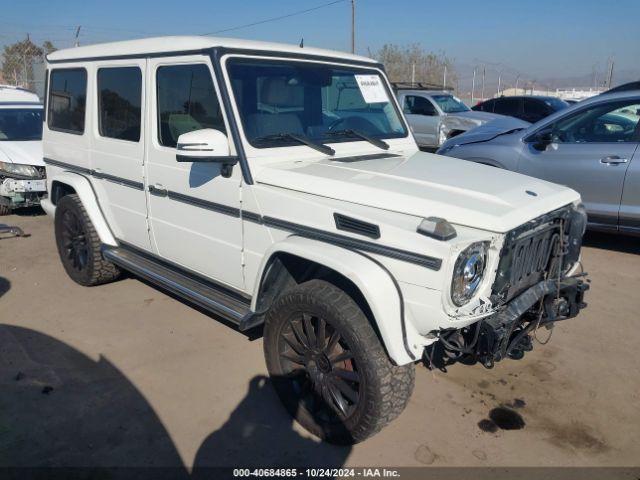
(468, 272)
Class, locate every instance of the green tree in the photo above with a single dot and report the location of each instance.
(400, 61)
(18, 60)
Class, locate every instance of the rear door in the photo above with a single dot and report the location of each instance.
(423, 118)
(117, 152)
(591, 151)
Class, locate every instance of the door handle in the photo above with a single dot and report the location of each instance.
(613, 160)
(158, 190)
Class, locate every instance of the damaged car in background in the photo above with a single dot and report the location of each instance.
(22, 171)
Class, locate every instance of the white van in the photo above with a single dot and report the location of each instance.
(22, 170)
(278, 185)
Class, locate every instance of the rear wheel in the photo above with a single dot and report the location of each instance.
(79, 245)
(329, 367)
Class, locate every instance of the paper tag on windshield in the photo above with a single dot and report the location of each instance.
(372, 89)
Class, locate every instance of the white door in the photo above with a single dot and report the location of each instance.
(117, 152)
(193, 210)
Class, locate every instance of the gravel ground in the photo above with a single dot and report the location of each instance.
(124, 374)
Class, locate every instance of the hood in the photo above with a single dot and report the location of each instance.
(27, 153)
(488, 131)
(424, 185)
(477, 117)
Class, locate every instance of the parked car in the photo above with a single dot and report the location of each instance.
(625, 87)
(591, 147)
(237, 175)
(22, 170)
(528, 108)
(435, 115)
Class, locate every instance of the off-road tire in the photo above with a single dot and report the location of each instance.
(4, 210)
(94, 269)
(386, 388)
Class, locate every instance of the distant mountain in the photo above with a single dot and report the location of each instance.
(465, 75)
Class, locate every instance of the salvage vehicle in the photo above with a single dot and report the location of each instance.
(22, 171)
(233, 174)
(591, 147)
(530, 108)
(436, 114)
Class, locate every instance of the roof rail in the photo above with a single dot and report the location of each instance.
(419, 86)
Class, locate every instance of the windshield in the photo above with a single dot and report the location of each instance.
(20, 124)
(450, 104)
(322, 103)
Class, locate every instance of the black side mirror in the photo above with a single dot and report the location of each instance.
(543, 139)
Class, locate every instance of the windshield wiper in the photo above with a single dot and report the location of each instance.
(357, 133)
(298, 138)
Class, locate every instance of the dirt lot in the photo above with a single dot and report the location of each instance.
(124, 374)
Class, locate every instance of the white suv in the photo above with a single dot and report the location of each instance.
(277, 185)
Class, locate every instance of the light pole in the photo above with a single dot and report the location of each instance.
(353, 26)
(473, 87)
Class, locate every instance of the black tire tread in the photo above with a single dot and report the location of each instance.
(392, 385)
(101, 270)
(4, 210)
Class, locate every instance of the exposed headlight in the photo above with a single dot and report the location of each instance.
(18, 169)
(468, 272)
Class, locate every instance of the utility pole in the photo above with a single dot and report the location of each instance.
(499, 82)
(77, 44)
(517, 80)
(413, 72)
(484, 71)
(610, 73)
(473, 87)
(353, 26)
(444, 80)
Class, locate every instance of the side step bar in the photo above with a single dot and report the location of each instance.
(203, 293)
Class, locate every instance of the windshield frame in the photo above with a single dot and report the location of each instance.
(23, 106)
(285, 57)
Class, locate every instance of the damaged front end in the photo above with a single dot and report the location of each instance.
(21, 185)
(534, 287)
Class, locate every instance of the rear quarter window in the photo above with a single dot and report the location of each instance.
(67, 100)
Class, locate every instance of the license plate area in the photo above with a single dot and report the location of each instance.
(22, 186)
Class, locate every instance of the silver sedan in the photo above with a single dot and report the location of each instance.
(591, 147)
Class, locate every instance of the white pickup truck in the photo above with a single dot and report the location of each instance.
(436, 115)
(278, 185)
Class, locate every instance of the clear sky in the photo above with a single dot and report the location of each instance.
(539, 38)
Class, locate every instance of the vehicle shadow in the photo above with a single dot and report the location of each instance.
(60, 408)
(5, 286)
(29, 211)
(259, 433)
(612, 241)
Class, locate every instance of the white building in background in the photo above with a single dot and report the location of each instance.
(563, 93)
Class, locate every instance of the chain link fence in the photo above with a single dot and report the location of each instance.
(22, 64)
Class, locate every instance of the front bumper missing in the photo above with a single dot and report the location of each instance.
(506, 334)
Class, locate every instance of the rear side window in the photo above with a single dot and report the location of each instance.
(187, 101)
(119, 102)
(67, 100)
(507, 106)
(535, 110)
(487, 106)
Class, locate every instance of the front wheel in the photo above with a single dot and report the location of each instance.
(329, 367)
